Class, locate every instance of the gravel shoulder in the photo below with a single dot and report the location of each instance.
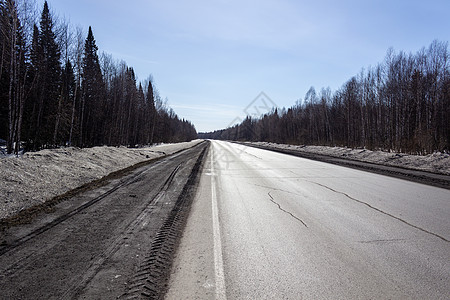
(36, 177)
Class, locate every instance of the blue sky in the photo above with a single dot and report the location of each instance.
(211, 58)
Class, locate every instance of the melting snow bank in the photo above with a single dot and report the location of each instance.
(36, 177)
(438, 162)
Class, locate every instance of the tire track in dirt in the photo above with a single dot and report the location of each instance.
(74, 254)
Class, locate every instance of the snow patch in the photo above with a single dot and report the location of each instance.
(35, 177)
(436, 163)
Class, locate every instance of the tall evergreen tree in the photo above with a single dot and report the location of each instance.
(65, 105)
(31, 105)
(151, 113)
(93, 95)
(46, 65)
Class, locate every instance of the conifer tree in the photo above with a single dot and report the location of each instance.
(93, 95)
(48, 71)
(31, 103)
(65, 105)
(152, 113)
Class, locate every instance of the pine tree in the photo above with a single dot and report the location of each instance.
(151, 113)
(65, 105)
(46, 64)
(31, 104)
(93, 95)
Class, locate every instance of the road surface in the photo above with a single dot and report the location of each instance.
(266, 225)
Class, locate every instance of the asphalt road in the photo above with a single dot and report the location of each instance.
(266, 225)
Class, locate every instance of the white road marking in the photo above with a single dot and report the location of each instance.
(218, 258)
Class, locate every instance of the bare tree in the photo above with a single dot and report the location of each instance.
(14, 56)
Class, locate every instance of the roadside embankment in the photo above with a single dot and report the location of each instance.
(36, 177)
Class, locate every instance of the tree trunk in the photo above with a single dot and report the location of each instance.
(58, 119)
(72, 121)
(11, 89)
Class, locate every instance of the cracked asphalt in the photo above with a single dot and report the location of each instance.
(266, 225)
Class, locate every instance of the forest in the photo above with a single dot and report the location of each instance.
(56, 90)
(402, 105)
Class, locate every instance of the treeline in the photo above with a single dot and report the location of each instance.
(55, 90)
(402, 104)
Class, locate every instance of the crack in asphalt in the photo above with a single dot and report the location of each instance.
(276, 189)
(289, 213)
(381, 241)
(379, 210)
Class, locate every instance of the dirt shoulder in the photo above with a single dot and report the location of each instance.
(431, 169)
(112, 242)
(36, 177)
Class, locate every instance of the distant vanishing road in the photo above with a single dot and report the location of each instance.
(266, 225)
